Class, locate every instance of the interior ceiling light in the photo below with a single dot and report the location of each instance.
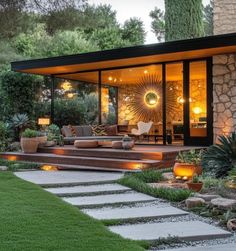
(66, 85)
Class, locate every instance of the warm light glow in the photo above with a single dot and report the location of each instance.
(180, 100)
(197, 110)
(184, 171)
(48, 168)
(66, 86)
(70, 95)
(12, 158)
(145, 72)
(110, 78)
(151, 98)
(43, 121)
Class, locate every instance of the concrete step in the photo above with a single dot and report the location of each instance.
(223, 247)
(189, 231)
(108, 199)
(68, 178)
(82, 161)
(88, 190)
(136, 212)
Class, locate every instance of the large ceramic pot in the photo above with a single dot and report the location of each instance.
(42, 140)
(29, 145)
(128, 145)
(186, 170)
(196, 187)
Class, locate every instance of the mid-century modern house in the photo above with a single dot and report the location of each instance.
(187, 87)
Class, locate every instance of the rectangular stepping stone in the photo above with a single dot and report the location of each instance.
(144, 211)
(191, 230)
(108, 199)
(224, 247)
(68, 177)
(63, 191)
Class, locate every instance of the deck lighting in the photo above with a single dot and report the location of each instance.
(49, 168)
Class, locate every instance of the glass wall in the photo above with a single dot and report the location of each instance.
(174, 103)
(76, 102)
(198, 99)
(139, 97)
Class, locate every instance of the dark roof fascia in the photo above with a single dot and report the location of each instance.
(129, 52)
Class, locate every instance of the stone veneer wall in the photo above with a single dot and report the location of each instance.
(224, 71)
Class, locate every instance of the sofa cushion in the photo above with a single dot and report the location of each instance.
(67, 132)
(87, 131)
(86, 143)
(111, 130)
(99, 130)
(78, 131)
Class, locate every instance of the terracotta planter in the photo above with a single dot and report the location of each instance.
(127, 145)
(42, 140)
(29, 145)
(196, 187)
(186, 170)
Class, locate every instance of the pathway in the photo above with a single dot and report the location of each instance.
(143, 217)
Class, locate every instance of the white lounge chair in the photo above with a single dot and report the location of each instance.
(143, 128)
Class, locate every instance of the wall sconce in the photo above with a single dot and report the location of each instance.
(151, 99)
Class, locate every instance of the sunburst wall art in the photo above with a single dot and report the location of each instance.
(146, 100)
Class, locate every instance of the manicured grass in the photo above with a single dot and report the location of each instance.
(138, 183)
(34, 220)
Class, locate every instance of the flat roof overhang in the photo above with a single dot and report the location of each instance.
(129, 56)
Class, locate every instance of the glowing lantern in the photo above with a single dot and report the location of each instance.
(186, 171)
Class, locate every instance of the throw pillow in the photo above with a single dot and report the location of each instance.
(99, 130)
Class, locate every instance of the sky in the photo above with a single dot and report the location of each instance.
(136, 8)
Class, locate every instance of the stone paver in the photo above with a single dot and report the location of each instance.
(144, 211)
(225, 247)
(108, 199)
(68, 177)
(192, 230)
(63, 191)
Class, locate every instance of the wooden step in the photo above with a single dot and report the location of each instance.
(129, 164)
(109, 153)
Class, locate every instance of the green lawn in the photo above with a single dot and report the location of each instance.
(32, 219)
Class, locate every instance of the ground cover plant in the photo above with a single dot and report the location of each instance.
(32, 219)
(138, 182)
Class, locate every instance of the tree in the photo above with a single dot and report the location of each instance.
(183, 19)
(98, 17)
(109, 38)
(133, 31)
(208, 18)
(19, 91)
(158, 23)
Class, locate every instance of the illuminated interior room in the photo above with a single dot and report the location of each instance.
(168, 84)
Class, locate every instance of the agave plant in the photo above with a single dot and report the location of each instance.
(220, 158)
(20, 121)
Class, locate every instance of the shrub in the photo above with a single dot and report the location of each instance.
(4, 141)
(220, 158)
(190, 157)
(28, 133)
(175, 195)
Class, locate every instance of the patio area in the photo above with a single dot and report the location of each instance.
(103, 158)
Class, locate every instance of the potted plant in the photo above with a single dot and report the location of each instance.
(42, 138)
(29, 141)
(54, 136)
(195, 184)
(187, 164)
(127, 142)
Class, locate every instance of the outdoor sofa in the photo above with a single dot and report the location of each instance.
(87, 132)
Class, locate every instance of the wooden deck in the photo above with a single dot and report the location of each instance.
(104, 158)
